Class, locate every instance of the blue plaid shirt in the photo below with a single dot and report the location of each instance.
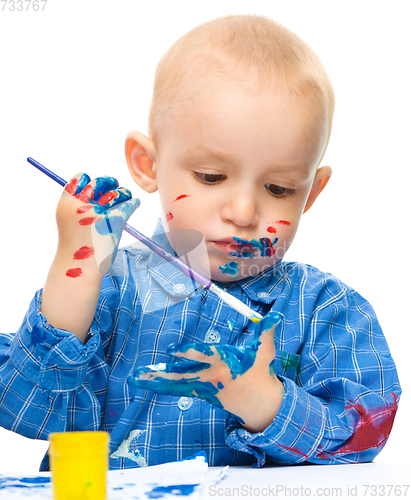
(341, 385)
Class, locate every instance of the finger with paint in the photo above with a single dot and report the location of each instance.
(218, 374)
(103, 207)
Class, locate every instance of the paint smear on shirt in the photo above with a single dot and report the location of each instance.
(371, 430)
(74, 273)
(231, 324)
(128, 449)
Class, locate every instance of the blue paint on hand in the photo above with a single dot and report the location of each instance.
(239, 359)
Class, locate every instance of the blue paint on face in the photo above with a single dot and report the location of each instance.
(220, 385)
(230, 268)
(248, 250)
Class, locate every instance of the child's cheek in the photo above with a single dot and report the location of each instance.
(176, 209)
(284, 229)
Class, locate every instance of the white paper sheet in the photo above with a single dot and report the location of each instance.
(184, 478)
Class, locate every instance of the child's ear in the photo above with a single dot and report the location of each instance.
(321, 178)
(141, 155)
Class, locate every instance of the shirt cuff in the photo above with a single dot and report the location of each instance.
(293, 436)
(52, 357)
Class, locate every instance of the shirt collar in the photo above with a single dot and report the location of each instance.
(263, 287)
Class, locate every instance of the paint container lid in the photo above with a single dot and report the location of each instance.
(79, 443)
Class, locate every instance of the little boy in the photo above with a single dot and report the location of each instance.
(240, 120)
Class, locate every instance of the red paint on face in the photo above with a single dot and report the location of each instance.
(107, 197)
(271, 229)
(371, 430)
(89, 220)
(83, 253)
(84, 208)
(74, 273)
(182, 196)
(169, 216)
(283, 222)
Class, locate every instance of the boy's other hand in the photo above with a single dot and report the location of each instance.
(239, 379)
(91, 216)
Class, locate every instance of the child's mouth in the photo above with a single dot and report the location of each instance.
(240, 247)
(227, 246)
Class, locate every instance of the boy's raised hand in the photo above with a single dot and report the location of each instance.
(239, 379)
(91, 216)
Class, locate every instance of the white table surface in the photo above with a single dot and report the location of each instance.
(369, 480)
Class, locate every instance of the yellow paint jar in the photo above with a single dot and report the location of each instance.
(79, 463)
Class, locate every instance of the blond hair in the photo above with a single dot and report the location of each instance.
(246, 51)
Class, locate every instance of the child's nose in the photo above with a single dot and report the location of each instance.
(241, 209)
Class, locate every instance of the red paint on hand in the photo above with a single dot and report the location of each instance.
(169, 216)
(89, 220)
(71, 187)
(83, 253)
(84, 208)
(74, 273)
(107, 197)
(271, 229)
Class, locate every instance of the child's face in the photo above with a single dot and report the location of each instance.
(241, 165)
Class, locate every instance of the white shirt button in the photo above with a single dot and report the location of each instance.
(263, 295)
(212, 337)
(179, 287)
(185, 403)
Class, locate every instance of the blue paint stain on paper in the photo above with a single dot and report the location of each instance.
(177, 489)
(24, 482)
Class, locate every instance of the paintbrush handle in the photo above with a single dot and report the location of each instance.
(191, 273)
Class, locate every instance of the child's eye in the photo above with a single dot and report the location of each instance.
(209, 178)
(279, 191)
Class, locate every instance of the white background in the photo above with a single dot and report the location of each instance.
(77, 77)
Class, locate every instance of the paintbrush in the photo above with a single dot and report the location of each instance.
(191, 273)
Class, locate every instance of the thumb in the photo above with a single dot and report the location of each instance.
(269, 323)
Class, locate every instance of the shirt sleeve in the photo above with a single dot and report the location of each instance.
(341, 406)
(46, 378)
